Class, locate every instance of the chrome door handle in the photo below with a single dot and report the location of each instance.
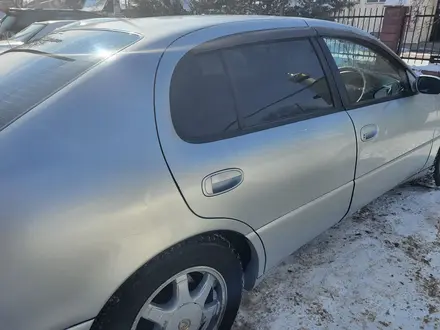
(369, 132)
(222, 181)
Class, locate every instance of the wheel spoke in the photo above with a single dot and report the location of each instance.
(181, 290)
(196, 293)
(202, 291)
(157, 314)
(209, 312)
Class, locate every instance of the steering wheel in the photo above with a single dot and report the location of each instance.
(350, 75)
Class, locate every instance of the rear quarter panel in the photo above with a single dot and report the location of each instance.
(85, 197)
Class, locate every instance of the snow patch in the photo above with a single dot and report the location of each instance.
(379, 269)
(423, 66)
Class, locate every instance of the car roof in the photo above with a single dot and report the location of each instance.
(161, 32)
(181, 25)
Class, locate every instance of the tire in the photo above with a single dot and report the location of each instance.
(213, 252)
(437, 169)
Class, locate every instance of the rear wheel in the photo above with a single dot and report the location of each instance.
(195, 285)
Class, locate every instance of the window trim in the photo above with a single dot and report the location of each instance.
(254, 37)
(367, 42)
(328, 72)
(264, 37)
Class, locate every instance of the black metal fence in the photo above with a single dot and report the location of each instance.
(368, 19)
(420, 33)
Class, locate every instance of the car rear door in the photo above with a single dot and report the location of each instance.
(251, 130)
(394, 124)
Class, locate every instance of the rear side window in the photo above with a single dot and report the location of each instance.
(219, 93)
(278, 81)
(201, 99)
(33, 72)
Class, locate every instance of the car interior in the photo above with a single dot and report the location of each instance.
(366, 74)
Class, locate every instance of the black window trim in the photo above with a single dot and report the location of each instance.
(254, 37)
(264, 37)
(366, 41)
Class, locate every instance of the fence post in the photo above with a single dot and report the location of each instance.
(393, 26)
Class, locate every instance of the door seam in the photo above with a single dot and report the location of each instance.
(396, 159)
(305, 204)
(327, 57)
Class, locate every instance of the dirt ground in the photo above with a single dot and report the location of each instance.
(379, 269)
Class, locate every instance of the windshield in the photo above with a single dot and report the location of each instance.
(27, 33)
(32, 72)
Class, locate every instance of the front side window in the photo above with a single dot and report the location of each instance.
(31, 73)
(277, 81)
(367, 75)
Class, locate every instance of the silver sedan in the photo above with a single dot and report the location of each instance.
(153, 168)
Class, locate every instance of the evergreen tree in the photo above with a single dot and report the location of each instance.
(302, 8)
(317, 8)
(215, 7)
(147, 8)
(270, 7)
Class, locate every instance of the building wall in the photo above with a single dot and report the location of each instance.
(416, 29)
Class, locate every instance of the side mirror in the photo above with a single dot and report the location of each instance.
(428, 84)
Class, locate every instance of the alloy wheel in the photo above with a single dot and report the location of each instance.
(194, 299)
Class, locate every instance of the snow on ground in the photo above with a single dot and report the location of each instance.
(379, 269)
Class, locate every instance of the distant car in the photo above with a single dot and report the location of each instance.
(17, 19)
(151, 168)
(33, 32)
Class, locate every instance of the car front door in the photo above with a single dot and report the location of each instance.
(251, 131)
(394, 124)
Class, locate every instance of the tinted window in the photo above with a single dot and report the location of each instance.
(202, 105)
(277, 81)
(31, 73)
(367, 75)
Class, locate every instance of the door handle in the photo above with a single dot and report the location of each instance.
(222, 181)
(369, 132)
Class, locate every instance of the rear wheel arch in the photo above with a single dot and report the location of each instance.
(247, 253)
(249, 256)
(216, 254)
(250, 259)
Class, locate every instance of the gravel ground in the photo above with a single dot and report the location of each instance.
(379, 269)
